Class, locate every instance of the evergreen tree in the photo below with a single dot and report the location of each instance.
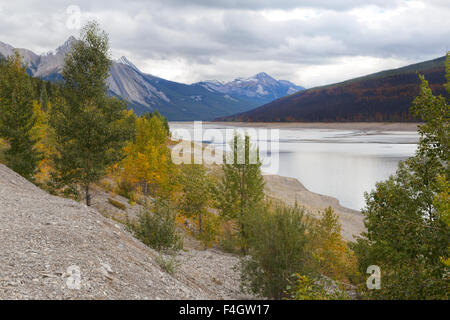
(17, 118)
(43, 99)
(242, 185)
(90, 127)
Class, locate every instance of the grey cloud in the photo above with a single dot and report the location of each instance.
(284, 4)
(209, 37)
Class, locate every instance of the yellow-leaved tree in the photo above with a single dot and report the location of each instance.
(147, 166)
(331, 255)
(45, 144)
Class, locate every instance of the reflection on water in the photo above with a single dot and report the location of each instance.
(340, 163)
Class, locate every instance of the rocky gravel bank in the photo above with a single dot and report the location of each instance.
(55, 248)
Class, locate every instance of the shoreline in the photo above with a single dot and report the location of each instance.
(364, 126)
(291, 191)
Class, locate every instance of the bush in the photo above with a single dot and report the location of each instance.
(210, 229)
(229, 240)
(158, 229)
(117, 204)
(3, 147)
(331, 256)
(167, 264)
(305, 288)
(276, 240)
(125, 188)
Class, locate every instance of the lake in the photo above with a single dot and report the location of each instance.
(339, 163)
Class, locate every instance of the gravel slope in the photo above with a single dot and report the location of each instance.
(41, 236)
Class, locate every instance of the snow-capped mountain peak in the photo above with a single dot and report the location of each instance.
(263, 75)
(215, 82)
(259, 86)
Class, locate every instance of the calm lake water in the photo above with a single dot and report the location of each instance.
(339, 163)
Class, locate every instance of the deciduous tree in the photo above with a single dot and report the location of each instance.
(242, 185)
(407, 234)
(90, 127)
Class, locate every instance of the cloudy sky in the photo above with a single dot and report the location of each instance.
(309, 42)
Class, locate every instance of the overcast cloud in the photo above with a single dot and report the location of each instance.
(308, 42)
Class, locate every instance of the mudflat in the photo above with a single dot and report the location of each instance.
(365, 126)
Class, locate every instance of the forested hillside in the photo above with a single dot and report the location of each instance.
(383, 96)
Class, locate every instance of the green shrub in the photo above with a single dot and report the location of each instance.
(157, 228)
(305, 288)
(210, 229)
(3, 147)
(125, 188)
(331, 255)
(276, 240)
(168, 264)
(229, 239)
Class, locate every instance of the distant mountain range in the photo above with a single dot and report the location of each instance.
(199, 101)
(382, 96)
(260, 88)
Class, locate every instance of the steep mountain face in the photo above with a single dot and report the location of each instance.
(30, 58)
(46, 66)
(174, 100)
(382, 96)
(177, 101)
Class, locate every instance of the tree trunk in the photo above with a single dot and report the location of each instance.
(146, 187)
(200, 229)
(88, 196)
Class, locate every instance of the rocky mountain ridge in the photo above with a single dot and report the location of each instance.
(176, 101)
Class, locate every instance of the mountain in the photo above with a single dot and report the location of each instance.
(382, 96)
(177, 101)
(261, 87)
(46, 66)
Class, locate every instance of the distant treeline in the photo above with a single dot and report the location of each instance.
(43, 91)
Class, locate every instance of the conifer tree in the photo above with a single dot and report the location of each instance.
(17, 118)
(43, 99)
(90, 127)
